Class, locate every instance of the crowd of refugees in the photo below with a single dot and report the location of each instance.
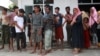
(82, 28)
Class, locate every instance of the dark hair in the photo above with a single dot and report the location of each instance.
(30, 13)
(86, 18)
(21, 11)
(48, 6)
(5, 9)
(37, 6)
(57, 8)
(15, 7)
(67, 8)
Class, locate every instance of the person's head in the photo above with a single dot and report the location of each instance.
(37, 9)
(84, 14)
(85, 20)
(57, 9)
(30, 15)
(15, 9)
(67, 9)
(4, 11)
(21, 12)
(47, 8)
(93, 11)
(76, 11)
(98, 13)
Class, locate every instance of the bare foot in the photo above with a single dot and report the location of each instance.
(11, 50)
(75, 52)
(1, 48)
(40, 53)
(33, 52)
(55, 49)
(45, 53)
(19, 50)
(62, 49)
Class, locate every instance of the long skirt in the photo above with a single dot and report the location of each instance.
(59, 33)
(86, 39)
(48, 39)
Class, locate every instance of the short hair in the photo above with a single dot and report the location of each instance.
(48, 6)
(5, 9)
(30, 13)
(57, 8)
(37, 6)
(21, 11)
(15, 7)
(67, 7)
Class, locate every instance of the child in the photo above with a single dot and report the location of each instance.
(37, 28)
(86, 33)
(19, 27)
(58, 27)
(29, 28)
(5, 28)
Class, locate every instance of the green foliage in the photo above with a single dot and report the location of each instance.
(11, 6)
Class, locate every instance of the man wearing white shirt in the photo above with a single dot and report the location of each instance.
(19, 27)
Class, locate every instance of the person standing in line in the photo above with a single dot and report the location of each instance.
(5, 27)
(29, 28)
(77, 31)
(19, 27)
(85, 20)
(98, 29)
(68, 19)
(24, 44)
(86, 32)
(12, 26)
(58, 27)
(93, 25)
(37, 24)
(48, 29)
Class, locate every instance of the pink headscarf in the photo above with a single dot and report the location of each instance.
(93, 17)
(75, 15)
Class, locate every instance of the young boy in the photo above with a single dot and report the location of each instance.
(19, 27)
(86, 32)
(12, 26)
(48, 29)
(37, 25)
(58, 27)
(29, 28)
(5, 27)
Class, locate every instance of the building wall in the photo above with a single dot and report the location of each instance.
(57, 3)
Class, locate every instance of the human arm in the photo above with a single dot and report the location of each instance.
(16, 24)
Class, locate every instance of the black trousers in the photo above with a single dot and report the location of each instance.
(69, 33)
(12, 32)
(5, 34)
(21, 40)
(98, 34)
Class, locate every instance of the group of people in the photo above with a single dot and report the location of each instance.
(82, 29)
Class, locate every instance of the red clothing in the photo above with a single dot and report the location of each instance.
(59, 33)
(86, 39)
(11, 17)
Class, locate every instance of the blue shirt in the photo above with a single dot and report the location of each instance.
(59, 23)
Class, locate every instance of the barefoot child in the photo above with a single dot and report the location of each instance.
(19, 27)
(86, 32)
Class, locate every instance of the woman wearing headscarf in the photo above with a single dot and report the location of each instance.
(86, 28)
(93, 24)
(98, 29)
(77, 31)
